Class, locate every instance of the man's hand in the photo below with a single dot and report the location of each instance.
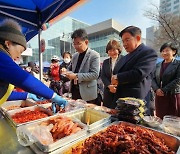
(114, 80)
(63, 70)
(159, 92)
(71, 75)
(112, 88)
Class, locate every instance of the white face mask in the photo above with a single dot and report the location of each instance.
(67, 60)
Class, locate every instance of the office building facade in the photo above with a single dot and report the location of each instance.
(170, 7)
(150, 36)
(58, 37)
(100, 34)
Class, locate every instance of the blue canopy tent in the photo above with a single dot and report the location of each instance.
(32, 14)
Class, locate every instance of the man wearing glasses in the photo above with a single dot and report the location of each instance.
(85, 68)
(133, 73)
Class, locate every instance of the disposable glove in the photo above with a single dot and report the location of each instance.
(58, 100)
(34, 97)
(54, 108)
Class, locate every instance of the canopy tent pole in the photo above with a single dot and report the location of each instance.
(40, 56)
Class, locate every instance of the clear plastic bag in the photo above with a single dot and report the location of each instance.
(171, 124)
(29, 135)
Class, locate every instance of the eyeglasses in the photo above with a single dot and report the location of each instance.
(78, 44)
(127, 40)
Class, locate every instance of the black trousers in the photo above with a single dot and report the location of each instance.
(75, 92)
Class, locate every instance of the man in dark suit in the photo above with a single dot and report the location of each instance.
(132, 74)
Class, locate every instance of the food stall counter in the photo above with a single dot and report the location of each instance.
(8, 140)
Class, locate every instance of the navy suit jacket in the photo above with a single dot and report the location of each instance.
(134, 72)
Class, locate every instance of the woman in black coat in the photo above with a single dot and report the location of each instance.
(113, 49)
(166, 82)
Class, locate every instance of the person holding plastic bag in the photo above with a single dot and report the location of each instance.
(12, 45)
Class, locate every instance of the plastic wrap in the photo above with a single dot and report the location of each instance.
(13, 105)
(41, 134)
(26, 135)
(130, 109)
(171, 124)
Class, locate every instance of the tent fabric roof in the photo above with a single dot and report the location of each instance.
(32, 14)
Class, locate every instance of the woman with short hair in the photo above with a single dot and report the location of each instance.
(113, 49)
(166, 82)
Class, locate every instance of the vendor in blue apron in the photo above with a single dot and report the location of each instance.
(12, 45)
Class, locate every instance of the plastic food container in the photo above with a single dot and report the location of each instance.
(12, 105)
(130, 102)
(171, 124)
(27, 136)
(152, 121)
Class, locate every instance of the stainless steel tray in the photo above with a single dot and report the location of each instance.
(93, 118)
(7, 106)
(69, 108)
(171, 141)
(61, 142)
(10, 113)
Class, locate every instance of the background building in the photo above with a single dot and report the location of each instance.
(100, 34)
(58, 38)
(170, 6)
(150, 36)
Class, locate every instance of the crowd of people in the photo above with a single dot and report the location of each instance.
(81, 74)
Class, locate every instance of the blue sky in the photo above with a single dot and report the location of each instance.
(126, 12)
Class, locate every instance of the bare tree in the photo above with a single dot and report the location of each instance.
(169, 27)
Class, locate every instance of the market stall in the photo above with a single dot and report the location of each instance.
(81, 127)
(18, 114)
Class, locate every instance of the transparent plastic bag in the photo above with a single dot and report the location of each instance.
(171, 124)
(75, 104)
(29, 134)
(24, 136)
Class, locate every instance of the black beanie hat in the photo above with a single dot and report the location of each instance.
(12, 34)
